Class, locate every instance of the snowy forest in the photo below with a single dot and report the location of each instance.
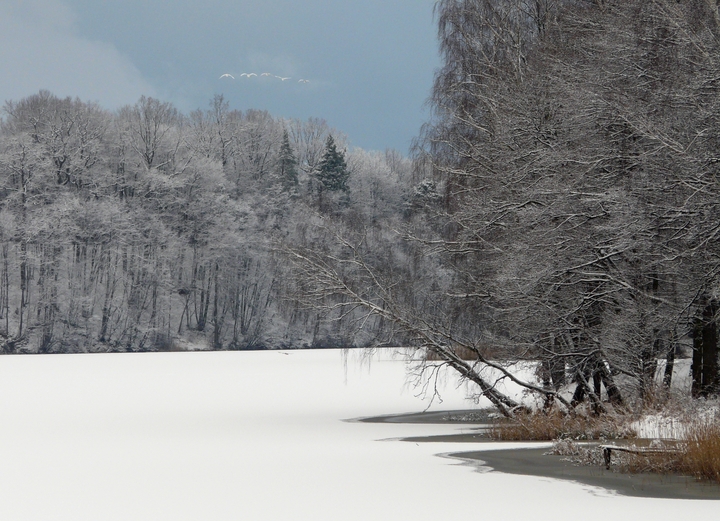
(572, 211)
(148, 229)
(560, 205)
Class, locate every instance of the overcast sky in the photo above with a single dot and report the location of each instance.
(369, 63)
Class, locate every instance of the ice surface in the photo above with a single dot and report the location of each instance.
(252, 436)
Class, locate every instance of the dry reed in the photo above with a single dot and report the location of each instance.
(542, 426)
(701, 455)
(697, 455)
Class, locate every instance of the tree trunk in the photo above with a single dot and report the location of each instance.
(23, 286)
(710, 349)
(5, 302)
(217, 326)
(697, 358)
(648, 367)
(579, 395)
(557, 373)
(669, 362)
(614, 395)
(705, 352)
(110, 284)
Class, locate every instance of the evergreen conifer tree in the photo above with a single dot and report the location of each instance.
(288, 165)
(333, 173)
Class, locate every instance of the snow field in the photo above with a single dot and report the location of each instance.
(252, 436)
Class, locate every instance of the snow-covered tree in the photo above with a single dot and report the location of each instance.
(332, 171)
(287, 165)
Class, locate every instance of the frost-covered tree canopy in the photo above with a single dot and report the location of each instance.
(148, 229)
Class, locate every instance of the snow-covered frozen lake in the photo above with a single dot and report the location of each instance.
(254, 436)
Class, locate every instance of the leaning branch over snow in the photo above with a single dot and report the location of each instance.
(347, 281)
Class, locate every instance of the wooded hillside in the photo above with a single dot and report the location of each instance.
(148, 229)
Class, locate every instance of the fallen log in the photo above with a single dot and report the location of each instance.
(607, 451)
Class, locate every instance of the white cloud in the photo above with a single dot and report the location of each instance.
(40, 49)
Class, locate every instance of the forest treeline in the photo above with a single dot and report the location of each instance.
(149, 229)
(575, 145)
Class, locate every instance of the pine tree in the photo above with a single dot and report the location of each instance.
(288, 164)
(333, 173)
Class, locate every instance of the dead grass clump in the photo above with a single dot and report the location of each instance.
(701, 456)
(542, 426)
(698, 455)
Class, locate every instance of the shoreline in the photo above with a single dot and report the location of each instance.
(535, 461)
